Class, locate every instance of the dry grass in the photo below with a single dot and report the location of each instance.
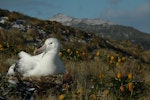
(85, 70)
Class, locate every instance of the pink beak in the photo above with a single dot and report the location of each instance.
(40, 50)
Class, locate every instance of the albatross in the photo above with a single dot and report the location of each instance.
(43, 64)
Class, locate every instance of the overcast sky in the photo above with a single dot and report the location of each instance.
(135, 13)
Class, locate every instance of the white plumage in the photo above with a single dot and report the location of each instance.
(46, 63)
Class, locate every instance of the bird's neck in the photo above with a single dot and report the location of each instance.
(50, 55)
(49, 58)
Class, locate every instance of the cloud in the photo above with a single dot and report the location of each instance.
(137, 17)
(143, 11)
(140, 12)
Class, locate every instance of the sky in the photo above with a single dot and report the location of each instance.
(134, 13)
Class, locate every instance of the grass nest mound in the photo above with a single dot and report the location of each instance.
(28, 87)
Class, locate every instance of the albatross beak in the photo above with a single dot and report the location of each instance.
(40, 50)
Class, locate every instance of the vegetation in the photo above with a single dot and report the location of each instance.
(100, 68)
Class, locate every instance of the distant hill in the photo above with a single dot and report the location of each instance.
(106, 29)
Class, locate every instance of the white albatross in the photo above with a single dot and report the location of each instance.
(46, 63)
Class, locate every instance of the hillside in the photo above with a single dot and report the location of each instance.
(33, 31)
(99, 67)
(106, 29)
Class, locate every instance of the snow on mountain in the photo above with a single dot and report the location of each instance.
(66, 20)
(61, 18)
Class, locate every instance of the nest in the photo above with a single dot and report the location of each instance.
(55, 83)
(45, 82)
(28, 86)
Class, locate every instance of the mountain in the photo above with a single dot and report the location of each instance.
(69, 21)
(106, 29)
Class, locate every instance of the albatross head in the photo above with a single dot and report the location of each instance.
(51, 44)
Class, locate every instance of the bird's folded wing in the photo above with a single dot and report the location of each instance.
(23, 54)
(28, 63)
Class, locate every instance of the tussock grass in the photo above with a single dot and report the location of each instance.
(83, 71)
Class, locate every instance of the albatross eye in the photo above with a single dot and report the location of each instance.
(51, 43)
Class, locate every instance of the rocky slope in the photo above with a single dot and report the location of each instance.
(106, 29)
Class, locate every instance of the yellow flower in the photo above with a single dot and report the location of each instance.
(60, 54)
(101, 75)
(122, 88)
(112, 58)
(68, 50)
(98, 53)
(77, 51)
(83, 54)
(119, 60)
(61, 97)
(130, 86)
(1, 47)
(117, 64)
(110, 62)
(130, 76)
(119, 75)
(123, 58)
